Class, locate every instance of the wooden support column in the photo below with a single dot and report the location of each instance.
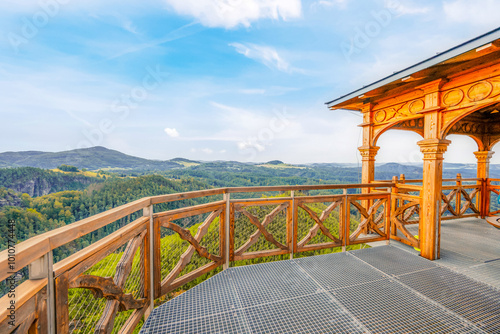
(368, 154)
(483, 163)
(430, 219)
(483, 173)
(433, 147)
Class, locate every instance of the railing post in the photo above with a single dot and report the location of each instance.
(347, 221)
(485, 197)
(388, 213)
(148, 212)
(458, 200)
(394, 204)
(43, 268)
(227, 224)
(292, 194)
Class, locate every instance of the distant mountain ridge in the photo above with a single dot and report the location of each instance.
(99, 157)
(91, 158)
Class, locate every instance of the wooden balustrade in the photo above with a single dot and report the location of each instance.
(114, 281)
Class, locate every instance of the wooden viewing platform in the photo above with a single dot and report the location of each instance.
(374, 290)
(156, 247)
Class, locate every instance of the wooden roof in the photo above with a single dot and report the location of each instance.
(476, 53)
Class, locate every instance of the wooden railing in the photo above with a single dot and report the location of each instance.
(112, 284)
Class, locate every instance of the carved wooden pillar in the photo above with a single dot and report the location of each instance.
(368, 150)
(483, 163)
(368, 154)
(430, 219)
(433, 148)
(483, 173)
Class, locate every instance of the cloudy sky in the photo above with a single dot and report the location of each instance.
(216, 79)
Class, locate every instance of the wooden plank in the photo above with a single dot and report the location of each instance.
(189, 211)
(62, 310)
(262, 253)
(309, 187)
(157, 258)
(186, 195)
(260, 201)
(106, 322)
(315, 247)
(26, 252)
(289, 226)
(42, 321)
(103, 246)
(24, 316)
(132, 321)
(24, 293)
(231, 232)
(184, 279)
(318, 199)
(367, 239)
(146, 258)
(405, 241)
(372, 196)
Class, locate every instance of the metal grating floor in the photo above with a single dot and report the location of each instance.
(375, 290)
(469, 246)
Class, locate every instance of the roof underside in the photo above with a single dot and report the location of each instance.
(473, 53)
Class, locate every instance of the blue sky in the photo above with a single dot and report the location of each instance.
(204, 79)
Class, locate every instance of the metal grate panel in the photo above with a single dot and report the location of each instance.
(215, 295)
(388, 307)
(338, 270)
(392, 261)
(350, 292)
(317, 313)
(269, 282)
(476, 302)
(230, 322)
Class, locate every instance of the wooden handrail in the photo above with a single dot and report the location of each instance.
(34, 248)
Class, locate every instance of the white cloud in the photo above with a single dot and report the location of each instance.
(329, 4)
(207, 151)
(399, 7)
(172, 132)
(263, 54)
(480, 12)
(232, 13)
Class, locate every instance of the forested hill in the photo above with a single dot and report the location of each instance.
(38, 182)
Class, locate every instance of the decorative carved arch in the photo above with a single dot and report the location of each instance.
(414, 125)
(451, 118)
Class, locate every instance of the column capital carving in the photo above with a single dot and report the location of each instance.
(368, 152)
(483, 156)
(433, 149)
